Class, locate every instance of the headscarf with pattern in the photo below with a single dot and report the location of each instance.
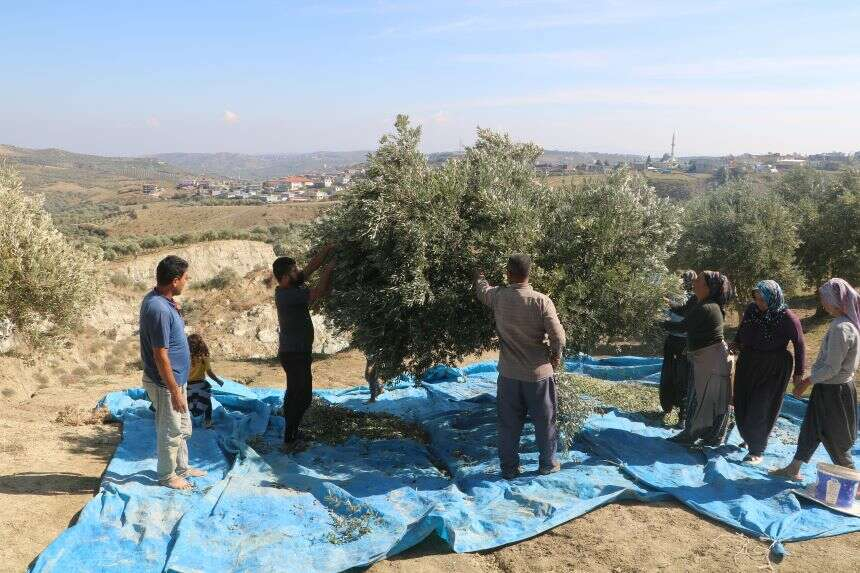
(772, 294)
(838, 293)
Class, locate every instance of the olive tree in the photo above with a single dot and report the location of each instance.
(409, 238)
(827, 211)
(746, 233)
(46, 284)
(604, 252)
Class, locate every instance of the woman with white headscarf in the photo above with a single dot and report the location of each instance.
(831, 415)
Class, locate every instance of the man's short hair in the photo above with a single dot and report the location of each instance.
(282, 266)
(169, 268)
(520, 265)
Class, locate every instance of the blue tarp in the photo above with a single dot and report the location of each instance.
(332, 508)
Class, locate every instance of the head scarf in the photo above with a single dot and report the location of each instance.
(720, 287)
(688, 277)
(771, 292)
(838, 293)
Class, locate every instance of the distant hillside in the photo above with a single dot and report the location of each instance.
(256, 167)
(555, 157)
(240, 166)
(573, 158)
(42, 168)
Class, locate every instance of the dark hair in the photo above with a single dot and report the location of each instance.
(171, 267)
(197, 346)
(520, 265)
(282, 266)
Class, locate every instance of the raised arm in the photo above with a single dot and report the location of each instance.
(681, 309)
(483, 290)
(322, 289)
(317, 260)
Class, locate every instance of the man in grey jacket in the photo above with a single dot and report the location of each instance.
(532, 341)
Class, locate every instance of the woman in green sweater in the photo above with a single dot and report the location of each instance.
(708, 416)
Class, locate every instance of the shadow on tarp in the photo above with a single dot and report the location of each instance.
(333, 508)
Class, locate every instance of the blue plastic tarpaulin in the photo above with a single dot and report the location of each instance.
(332, 508)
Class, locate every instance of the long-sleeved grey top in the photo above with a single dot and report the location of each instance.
(839, 356)
(528, 328)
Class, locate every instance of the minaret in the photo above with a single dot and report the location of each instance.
(673, 146)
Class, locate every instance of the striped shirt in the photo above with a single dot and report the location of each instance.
(528, 328)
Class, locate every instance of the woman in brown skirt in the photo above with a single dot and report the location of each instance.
(708, 405)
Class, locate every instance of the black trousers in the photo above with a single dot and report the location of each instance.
(831, 419)
(297, 399)
(760, 382)
(674, 376)
(200, 398)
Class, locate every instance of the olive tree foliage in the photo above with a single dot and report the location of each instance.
(605, 249)
(827, 211)
(46, 284)
(409, 238)
(747, 234)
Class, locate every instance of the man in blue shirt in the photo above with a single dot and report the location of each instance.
(166, 360)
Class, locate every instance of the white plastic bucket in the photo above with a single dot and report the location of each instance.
(837, 486)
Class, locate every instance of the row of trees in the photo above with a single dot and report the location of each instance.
(409, 237)
(800, 232)
(606, 250)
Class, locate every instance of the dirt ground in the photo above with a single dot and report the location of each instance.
(49, 470)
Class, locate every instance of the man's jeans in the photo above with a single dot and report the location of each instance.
(515, 398)
(172, 428)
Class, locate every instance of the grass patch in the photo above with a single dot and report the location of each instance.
(580, 396)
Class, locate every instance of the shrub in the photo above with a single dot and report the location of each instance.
(121, 280)
(225, 278)
(46, 284)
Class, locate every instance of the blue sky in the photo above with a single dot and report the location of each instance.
(128, 78)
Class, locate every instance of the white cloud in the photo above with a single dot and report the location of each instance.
(440, 118)
(153, 122)
(231, 117)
